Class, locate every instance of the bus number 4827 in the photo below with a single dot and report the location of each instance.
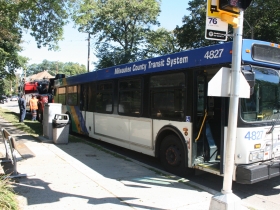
(213, 54)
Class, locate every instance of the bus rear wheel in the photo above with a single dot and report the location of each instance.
(172, 155)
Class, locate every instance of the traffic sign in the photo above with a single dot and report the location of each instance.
(214, 10)
(233, 6)
(215, 28)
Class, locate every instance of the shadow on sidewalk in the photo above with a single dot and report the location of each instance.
(39, 192)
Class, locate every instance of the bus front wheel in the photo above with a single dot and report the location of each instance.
(172, 155)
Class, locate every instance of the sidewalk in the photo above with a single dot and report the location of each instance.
(83, 176)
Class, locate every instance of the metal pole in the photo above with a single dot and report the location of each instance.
(88, 52)
(233, 106)
(227, 200)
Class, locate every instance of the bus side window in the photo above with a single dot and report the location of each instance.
(104, 98)
(130, 96)
(167, 96)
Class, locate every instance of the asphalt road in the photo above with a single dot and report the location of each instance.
(261, 195)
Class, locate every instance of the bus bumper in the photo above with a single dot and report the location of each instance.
(249, 174)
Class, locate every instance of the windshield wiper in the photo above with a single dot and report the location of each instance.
(273, 124)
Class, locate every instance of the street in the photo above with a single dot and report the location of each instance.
(262, 195)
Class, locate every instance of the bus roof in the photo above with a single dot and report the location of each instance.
(206, 56)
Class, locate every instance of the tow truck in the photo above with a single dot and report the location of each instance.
(42, 89)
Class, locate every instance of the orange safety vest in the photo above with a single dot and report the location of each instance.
(33, 104)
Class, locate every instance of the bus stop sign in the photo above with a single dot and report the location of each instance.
(215, 28)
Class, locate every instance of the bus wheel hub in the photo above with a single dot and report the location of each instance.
(173, 156)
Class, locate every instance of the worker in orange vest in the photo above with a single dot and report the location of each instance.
(33, 102)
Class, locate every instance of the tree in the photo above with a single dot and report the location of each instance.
(37, 68)
(262, 18)
(70, 69)
(118, 25)
(192, 33)
(45, 19)
(10, 37)
(160, 42)
(54, 67)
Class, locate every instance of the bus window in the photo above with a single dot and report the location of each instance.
(104, 98)
(167, 96)
(83, 97)
(72, 95)
(91, 97)
(61, 95)
(130, 97)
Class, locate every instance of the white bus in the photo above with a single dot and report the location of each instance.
(160, 107)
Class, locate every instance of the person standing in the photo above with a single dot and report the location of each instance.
(22, 108)
(33, 107)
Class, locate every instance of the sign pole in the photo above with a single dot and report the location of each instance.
(227, 200)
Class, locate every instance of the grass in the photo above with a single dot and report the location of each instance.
(34, 128)
(7, 196)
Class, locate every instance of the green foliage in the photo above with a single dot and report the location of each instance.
(160, 42)
(70, 69)
(261, 17)
(118, 25)
(54, 67)
(192, 33)
(10, 36)
(5, 87)
(33, 128)
(264, 18)
(43, 18)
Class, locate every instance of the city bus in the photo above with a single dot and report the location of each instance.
(162, 107)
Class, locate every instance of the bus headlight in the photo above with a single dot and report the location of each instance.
(255, 156)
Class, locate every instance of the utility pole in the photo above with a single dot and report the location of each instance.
(88, 61)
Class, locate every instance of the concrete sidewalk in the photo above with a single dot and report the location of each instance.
(83, 176)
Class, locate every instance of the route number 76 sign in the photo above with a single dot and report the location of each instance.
(215, 29)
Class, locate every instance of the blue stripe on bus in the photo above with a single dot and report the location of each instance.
(211, 55)
(181, 60)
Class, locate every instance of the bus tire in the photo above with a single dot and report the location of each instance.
(172, 155)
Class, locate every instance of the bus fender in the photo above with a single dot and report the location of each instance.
(167, 130)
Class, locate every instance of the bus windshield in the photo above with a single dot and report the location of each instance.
(264, 103)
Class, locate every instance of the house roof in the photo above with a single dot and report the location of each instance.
(40, 76)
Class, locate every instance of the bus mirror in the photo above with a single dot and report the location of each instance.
(250, 77)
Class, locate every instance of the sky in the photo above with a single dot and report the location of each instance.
(74, 47)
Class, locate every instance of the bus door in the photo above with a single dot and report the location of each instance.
(87, 96)
(83, 98)
(83, 101)
(209, 125)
